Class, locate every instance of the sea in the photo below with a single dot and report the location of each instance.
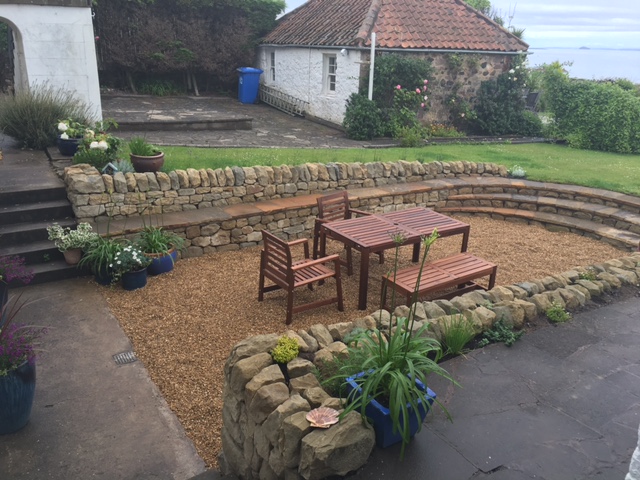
(592, 63)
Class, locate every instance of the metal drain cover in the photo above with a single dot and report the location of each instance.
(124, 358)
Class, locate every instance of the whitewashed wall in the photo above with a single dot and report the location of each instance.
(55, 46)
(299, 72)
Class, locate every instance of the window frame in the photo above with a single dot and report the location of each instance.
(329, 72)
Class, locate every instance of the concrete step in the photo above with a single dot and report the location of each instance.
(614, 236)
(23, 233)
(50, 210)
(17, 194)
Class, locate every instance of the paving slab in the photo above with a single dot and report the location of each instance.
(92, 417)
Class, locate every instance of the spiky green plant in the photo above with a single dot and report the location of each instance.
(457, 332)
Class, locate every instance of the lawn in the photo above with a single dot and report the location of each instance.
(543, 162)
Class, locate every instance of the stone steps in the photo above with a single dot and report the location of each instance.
(556, 222)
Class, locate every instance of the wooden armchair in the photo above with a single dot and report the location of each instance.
(277, 265)
(334, 207)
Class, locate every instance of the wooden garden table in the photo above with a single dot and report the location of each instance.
(373, 233)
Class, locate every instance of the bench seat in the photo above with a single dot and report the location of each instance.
(455, 271)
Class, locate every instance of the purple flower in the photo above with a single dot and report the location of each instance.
(12, 267)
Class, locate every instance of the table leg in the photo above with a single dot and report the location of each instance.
(416, 252)
(364, 279)
(465, 239)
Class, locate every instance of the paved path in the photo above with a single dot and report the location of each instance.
(271, 127)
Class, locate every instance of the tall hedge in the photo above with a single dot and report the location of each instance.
(594, 115)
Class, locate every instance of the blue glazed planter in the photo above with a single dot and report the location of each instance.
(379, 415)
(68, 147)
(134, 280)
(17, 390)
(162, 264)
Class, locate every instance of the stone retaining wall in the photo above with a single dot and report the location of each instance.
(265, 434)
(95, 195)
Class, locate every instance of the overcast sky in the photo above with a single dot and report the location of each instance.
(568, 23)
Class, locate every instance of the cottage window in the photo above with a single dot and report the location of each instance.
(330, 67)
(272, 67)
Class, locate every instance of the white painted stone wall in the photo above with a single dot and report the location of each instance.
(55, 46)
(299, 72)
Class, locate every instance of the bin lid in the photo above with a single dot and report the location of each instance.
(249, 70)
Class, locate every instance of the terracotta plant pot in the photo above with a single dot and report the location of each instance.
(73, 256)
(147, 164)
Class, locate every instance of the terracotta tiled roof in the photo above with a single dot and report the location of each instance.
(410, 24)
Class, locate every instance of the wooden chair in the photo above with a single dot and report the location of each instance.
(334, 207)
(277, 265)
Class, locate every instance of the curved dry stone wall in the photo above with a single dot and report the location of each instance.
(122, 195)
(265, 434)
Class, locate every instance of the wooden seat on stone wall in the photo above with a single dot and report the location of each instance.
(278, 266)
(331, 208)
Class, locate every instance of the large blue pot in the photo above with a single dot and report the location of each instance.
(17, 390)
(381, 420)
(162, 263)
(134, 280)
(104, 276)
(68, 146)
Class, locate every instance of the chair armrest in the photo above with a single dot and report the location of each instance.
(298, 242)
(328, 258)
(360, 212)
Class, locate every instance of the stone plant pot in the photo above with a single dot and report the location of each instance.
(381, 419)
(143, 164)
(73, 256)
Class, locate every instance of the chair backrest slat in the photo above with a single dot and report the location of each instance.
(277, 255)
(334, 207)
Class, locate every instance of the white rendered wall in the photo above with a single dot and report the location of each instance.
(299, 72)
(55, 45)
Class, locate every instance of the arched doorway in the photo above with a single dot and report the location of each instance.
(53, 43)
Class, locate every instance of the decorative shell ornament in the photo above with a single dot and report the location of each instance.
(322, 417)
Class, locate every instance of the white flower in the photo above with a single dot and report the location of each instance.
(512, 71)
(103, 145)
(64, 136)
(119, 262)
(62, 127)
(90, 133)
(93, 145)
(515, 79)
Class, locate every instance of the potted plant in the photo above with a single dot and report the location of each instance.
(98, 147)
(12, 269)
(386, 375)
(72, 242)
(18, 347)
(130, 264)
(161, 246)
(99, 256)
(144, 156)
(70, 133)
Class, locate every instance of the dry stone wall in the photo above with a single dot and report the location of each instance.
(265, 434)
(94, 195)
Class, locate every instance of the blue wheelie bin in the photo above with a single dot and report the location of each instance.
(248, 84)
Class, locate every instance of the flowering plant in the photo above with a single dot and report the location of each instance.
(18, 343)
(67, 239)
(69, 128)
(130, 259)
(12, 267)
(405, 107)
(98, 147)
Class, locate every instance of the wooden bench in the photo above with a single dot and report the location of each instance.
(456, 271)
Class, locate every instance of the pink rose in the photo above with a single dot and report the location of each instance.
(422, 105)
(426, 81)
(418, 91)
(398, 87)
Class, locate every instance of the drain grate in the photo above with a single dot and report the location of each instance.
(124, 358)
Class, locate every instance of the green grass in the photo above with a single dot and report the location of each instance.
(543, 162)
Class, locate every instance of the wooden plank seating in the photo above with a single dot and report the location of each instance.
(455, 271)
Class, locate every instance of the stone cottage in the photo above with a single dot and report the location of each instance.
(318, 54)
